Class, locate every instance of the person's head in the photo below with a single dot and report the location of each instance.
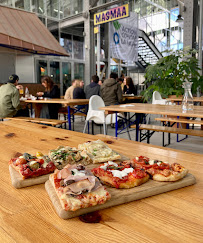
(77, 83)
(81, 84)
(13, 79)
(129, 81)
(95, 79)
(73, 82)
(114, 76)
(47, 82)
(100, 82)
(120, 80)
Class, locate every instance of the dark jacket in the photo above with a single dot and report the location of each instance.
(130, 90)
(9, 100)
(78, 93)
(92, 89)
(53, 108)
(111, 92)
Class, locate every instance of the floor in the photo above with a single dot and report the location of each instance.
(191, 144)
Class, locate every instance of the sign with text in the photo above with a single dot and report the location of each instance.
(123, 36)
(111, 14)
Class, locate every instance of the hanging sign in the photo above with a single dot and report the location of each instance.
(111, 14)
(123, 36)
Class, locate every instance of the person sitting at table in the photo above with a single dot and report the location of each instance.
(78, 92)
(129, 87)
(111, 91)
(69, 91)
(120, 81)
(51, 91)
(93, 88)
(10, 99)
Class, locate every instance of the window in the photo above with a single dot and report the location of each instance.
(41, 66)
(79, 71)
(66, 72)
(55, 72)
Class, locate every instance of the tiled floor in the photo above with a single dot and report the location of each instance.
(191, 144)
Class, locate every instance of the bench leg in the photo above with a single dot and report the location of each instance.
(92, 127)
(148, 137)
(163, 143)
(85, 126)
(140, 135)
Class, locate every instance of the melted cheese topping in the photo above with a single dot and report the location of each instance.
(151, 162)
(121, 173)
(78, 173)
(97, 148)
(108, 163)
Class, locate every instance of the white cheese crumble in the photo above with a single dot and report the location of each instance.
(108, 163)
(151, 162)
(121, 173)
(78, 173)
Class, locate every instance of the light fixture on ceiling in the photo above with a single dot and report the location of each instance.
(180, 20)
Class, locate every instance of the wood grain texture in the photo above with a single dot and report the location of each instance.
(27, 215)
(172, 110)
(187, 121)
(190, 132)
(60, 101)
(120, 196)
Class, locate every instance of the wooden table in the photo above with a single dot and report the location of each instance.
(179, 99)
(132, 97)
(138, 109)
(27, 214)
(67, 102)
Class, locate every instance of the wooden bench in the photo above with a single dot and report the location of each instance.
(52, 122)
(155, 128)
(176, 120)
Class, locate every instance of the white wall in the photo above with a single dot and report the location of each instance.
(7, 66)
(25, 68)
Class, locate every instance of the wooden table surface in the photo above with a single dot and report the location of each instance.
(172, 110)
(67, 102)
(27, 214)
(132, 97)
(179, 99)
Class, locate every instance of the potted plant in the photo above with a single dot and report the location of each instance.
(169, 73)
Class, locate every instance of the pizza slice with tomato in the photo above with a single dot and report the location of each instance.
(78, 188)
(122, 175)
(29, 166)
(159, 170)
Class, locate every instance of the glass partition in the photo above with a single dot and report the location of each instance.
(78, 47)
(55, 72)
(79, 71)
(66, 72)
(41, 67)
(69, 7)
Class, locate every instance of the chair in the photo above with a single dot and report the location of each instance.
(94, 114)
(157, 99)
(98, 116)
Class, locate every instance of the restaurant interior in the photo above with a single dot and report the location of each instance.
(101, 121)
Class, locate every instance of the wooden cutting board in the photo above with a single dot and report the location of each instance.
(18, 182)
(120, 196)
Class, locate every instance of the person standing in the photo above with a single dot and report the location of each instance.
(10, 99)
(93, 88)
(111, 91)
(51, 91)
